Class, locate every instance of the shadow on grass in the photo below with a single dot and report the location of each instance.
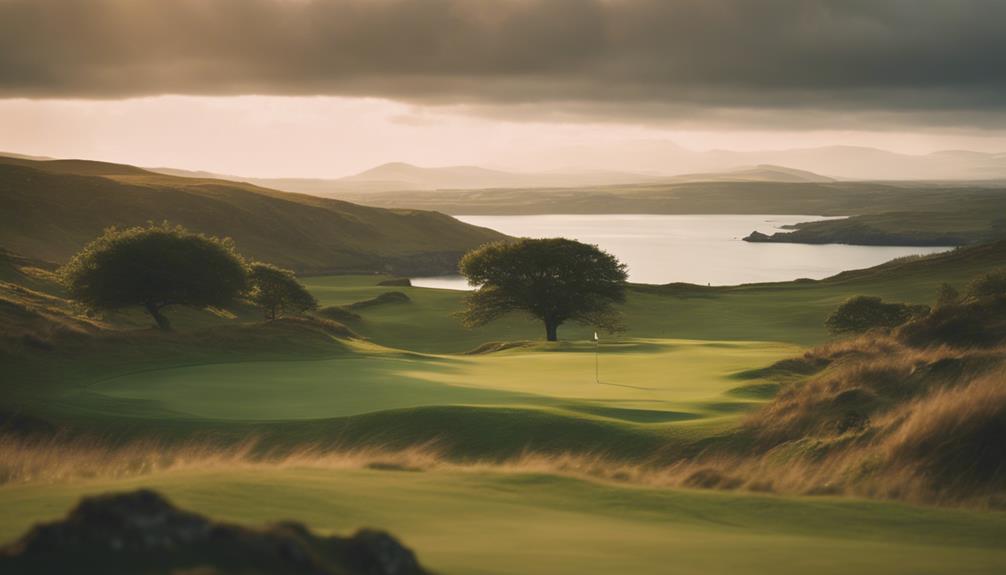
(634, 415)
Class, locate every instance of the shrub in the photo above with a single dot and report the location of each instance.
(863, 313)
(988, 286)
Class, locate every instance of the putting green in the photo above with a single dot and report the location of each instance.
(643, 378)
(526, 524)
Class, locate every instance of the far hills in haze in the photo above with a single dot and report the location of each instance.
(399, 176)
(656, 162)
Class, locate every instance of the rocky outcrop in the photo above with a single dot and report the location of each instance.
(141, 532)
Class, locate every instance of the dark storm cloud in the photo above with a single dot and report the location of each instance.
(929, 61)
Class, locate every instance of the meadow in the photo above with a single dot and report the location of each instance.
(487, 450)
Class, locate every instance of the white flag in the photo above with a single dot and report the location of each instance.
(595, 336)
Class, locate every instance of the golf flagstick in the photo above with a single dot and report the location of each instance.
(597, 342)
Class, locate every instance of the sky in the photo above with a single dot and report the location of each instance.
(325, 88)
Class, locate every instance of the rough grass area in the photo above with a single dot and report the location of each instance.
(879, 418)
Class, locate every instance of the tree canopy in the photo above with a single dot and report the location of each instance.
(277, 291)
(553, 280)
(155, 266)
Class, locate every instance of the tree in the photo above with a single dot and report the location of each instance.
(553, 280)
(155, 267)
(863, 313)
(277, 291)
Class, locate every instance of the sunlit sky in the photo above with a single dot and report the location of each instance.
(326, 88)
(270, 136)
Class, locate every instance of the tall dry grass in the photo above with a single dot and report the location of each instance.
(59, 459)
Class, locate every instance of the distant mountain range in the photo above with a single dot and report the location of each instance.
(760, 173)
(855, 163)
(650, 162)
(655, 163)
(400, 176)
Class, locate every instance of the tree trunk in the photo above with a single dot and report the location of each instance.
(551, 330)
(155, 312)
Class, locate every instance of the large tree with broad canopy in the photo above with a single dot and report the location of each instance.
(553, 280)
(155, 267)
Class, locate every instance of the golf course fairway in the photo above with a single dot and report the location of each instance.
(468, 522)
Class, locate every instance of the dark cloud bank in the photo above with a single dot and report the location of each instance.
(923, 61)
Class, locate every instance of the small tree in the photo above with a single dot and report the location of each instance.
(155, 267)
(863, 313)
(277, 291)
(553, 280)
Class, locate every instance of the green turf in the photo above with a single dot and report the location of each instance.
(649, 375)
(482, 522)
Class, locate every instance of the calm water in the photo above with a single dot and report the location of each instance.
(702, 249)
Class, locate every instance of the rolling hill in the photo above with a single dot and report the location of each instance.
(759, 173)
(400, 176)
(50, 209)
(844, 162)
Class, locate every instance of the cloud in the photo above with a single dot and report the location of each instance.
(813, 62)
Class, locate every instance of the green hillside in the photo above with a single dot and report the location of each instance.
(50, 209)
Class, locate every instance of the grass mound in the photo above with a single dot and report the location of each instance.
(968, 324)
(956, 435)
(38, 321)
(888, 419)
(381, 299)
(338, 313)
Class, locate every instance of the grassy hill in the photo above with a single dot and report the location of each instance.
(50, 209)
